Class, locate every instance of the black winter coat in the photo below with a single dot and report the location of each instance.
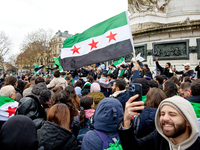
(154, 141)
(198, 71)
(127, 74)
(146, 119)
(186, 74)
(164, 71)
(147, 73)
(123, 98)
(54, 137)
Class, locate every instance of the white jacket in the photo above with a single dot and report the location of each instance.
(58, 82)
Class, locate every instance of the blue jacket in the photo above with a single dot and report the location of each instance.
(147, 124)
(108, 113)
(194, 99)
(123, 98)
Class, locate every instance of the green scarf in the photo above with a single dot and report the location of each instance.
(72, 81)
(196, 107)
(122, 72)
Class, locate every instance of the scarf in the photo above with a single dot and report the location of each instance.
(121, 72)
(89, 113)
(117, 93)
(111, 70)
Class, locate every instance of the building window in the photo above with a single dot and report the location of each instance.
(60, 45)
(60, 39)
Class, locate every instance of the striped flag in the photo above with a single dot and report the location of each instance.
(107, 40)
(7, 108)
(37, 68)
(119, 62)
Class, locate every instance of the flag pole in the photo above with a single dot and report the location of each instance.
(135, 57)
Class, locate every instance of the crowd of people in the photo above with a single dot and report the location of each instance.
(91, 108)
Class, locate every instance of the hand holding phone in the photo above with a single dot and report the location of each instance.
(131, 109)
(136, 88)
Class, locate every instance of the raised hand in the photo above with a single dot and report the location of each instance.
(130, 110)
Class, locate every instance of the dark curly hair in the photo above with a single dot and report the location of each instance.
(61, 97)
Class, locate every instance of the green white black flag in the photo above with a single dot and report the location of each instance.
(107, 40)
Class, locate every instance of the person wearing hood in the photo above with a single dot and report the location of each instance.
(37, 89)
(108, 113)
(176, 126)
(95, 93)
(119, 91)
(55, 134)
(146, 71)
(18, 133)
(164, 71)
(30, 106)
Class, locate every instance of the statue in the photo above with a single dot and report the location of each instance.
(147, 5)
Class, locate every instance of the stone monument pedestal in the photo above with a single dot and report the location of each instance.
(167, 28)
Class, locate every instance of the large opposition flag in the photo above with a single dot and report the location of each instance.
(107, 40)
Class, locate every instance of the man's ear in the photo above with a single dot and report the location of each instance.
(190, 91)
(117, 89)
(11, 95)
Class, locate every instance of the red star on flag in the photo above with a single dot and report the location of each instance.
(75, 50)
(93, 44)
(11, 111)
(111, 36)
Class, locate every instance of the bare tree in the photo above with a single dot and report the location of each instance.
(12, 62)
(36, 48)
(5, 44)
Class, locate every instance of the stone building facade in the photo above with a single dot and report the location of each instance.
(167, 28)
(57, 44)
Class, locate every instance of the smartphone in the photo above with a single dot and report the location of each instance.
(174, 65)
(136, 88)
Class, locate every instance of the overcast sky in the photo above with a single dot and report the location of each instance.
(20, 17)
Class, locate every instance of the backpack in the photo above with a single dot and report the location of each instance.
(109, 144)
(84, 130)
